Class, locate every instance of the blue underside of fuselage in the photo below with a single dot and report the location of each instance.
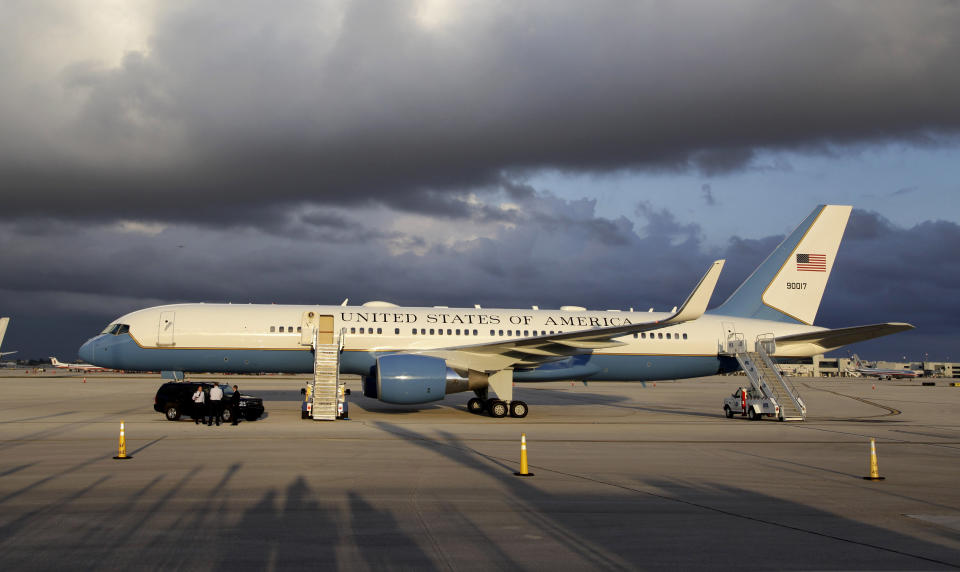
(121, 352)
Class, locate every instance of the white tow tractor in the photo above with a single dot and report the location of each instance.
(750, 403)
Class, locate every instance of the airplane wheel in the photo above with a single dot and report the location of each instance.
(475, 405)
(498, 408)
(518, 409)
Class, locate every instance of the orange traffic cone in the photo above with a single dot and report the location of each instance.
(524, 468)
(122, 454)
(874, 470)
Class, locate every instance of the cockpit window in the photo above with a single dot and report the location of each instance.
(116, 329)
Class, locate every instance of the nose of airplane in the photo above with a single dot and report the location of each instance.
(86, 351)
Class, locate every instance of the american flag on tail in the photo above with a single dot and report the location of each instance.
(812, 262)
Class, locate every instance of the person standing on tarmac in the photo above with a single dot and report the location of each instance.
(199, 412)
(235, 406)
(216, 404)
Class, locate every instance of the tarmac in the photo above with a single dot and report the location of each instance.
(628, 476)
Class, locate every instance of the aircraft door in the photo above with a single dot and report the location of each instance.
(729, 342)
(310, 321)
(165, 329)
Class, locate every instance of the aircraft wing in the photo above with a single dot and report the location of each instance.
(537, 350)
(830, 339)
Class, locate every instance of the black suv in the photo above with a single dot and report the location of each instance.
(176, 398)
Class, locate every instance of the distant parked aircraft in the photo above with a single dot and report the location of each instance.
(3, 330)
(883, 373)
(77, 366)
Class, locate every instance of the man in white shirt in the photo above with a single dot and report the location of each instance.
(216, 404)
(199, 412)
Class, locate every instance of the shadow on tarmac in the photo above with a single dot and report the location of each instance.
(642, 523)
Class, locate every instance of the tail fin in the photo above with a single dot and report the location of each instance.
(3, 328)
(788, 286)
(54, 361)
(856, 361)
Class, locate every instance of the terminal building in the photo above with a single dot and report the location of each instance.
(821, 366)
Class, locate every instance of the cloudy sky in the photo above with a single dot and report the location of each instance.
(441, 152)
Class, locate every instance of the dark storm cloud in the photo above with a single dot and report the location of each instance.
(708, 197)
(231, 109)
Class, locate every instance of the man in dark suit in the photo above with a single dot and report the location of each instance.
(235, 406)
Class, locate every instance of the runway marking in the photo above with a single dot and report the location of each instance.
(890, 410)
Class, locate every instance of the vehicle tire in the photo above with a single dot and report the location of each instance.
(498, 408)
(172, 412)
(754, 416)
(727, 412)
(475, 405)
(227, 416)
(518, 409)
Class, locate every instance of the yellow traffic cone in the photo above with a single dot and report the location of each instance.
(874, 470)
(123, 445)
(524, 469)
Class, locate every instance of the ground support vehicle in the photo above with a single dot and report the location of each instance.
(750, 403)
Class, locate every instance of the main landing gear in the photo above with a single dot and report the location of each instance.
(497, 408)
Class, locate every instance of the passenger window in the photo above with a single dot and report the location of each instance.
(273, 329)
(684, 336)
(440, 331)
(290, 329)
(500, 332)
(458, 332)
(659, 336)
(668, 335)
(431, 331)
(281, 329)
(423, 331)
(509, 332)
(448, 333)
(396, 331)
(379, 330)
(526, 333)
(352, 330)
(299, 329)
(414, 331)
(475, 332)
(635, 336)
(492, 333)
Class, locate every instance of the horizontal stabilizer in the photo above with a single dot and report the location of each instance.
(831, 339)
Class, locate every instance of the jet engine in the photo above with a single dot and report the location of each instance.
(406, 379)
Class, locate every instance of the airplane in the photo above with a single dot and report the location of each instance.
(881, 373)
(415, 355)
(75, 366)
(3, 331)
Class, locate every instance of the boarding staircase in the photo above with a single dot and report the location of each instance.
(766, 377)
(326, 380)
